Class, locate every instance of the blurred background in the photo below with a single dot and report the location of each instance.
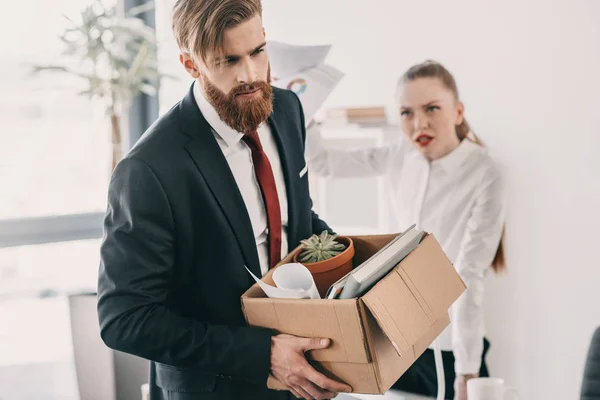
(528, 75)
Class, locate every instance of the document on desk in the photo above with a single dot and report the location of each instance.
(292, 281)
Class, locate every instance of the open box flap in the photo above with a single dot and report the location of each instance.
(414, 295)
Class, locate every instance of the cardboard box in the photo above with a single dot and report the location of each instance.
(374, 338)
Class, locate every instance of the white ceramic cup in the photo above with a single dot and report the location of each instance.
(488, 389)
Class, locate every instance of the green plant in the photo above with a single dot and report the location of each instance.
(115, 55)
(320, 247)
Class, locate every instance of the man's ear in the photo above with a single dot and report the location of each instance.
(189, 65)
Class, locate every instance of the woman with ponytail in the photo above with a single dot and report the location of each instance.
(442, 178)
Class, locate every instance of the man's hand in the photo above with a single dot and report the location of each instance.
(289, 366)
(460, 386)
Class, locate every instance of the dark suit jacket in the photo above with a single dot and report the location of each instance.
(177, 237)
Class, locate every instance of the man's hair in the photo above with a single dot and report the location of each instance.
(199, 25)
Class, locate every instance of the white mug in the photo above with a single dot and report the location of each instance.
(488, 389)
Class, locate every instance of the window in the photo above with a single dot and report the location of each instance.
(54, 144)
(48, 270)
(36, 349)
(55, 160)
(36, 354)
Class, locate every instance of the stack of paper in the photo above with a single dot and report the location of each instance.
(365, 276)
(292, 281)
(302, 69)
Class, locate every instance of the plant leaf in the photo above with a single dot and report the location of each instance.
(137, 10)
(148, 89)
(306, 242)
(115, 54)
(306, 258)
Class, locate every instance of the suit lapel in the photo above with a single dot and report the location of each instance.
(283, 147)
(208, 157)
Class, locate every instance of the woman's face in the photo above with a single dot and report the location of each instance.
(429, 114)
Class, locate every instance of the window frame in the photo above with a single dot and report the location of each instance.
(60, 228)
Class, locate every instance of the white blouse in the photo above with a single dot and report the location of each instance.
(459, 198)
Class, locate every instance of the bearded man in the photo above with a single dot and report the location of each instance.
(216, 184)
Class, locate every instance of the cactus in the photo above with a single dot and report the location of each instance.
(320, 247)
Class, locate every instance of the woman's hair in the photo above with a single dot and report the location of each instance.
(433, 69)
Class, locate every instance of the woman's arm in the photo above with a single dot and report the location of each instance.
(479, 245)
(344, 164)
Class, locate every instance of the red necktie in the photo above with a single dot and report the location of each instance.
(266, 180)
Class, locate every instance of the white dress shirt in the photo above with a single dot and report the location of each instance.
(459, 198)
(239, 158)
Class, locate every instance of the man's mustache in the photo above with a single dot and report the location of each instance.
(246, 88)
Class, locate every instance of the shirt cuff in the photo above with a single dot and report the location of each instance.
(466, 367)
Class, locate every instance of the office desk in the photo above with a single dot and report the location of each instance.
(390, 395)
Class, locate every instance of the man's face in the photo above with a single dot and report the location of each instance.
(237, 84)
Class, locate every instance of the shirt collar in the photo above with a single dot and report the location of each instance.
(227, 133)
(453, 160)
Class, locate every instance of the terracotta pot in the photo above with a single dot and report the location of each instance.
(327, 272)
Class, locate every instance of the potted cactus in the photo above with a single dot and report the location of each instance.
(328, 258)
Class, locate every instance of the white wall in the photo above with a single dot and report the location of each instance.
(529, 75)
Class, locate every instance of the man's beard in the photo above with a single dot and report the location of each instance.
(243, 115)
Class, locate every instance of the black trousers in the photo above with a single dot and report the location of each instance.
(421, 377)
